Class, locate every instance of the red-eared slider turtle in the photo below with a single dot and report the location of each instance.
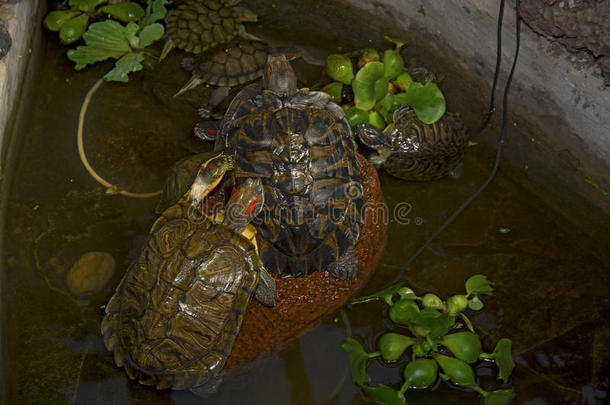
(174, 317)
(411, 150)
(300, 145)
(197, 25)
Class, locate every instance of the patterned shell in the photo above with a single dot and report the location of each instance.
(303, 151)
(423, 152)
(231, 64)
(197, 25)
(173, 319)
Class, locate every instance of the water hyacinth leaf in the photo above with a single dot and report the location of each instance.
(421, 373)
(465, 346)
(427, 101)
(150, 34)
(498, 397)
(155, 11)
(407, 293)
(479, 284)
(460, 373)
(132, 62)
(392, 63)
(56, 19)
(334, 90)
(435, 322)
(393, 345)
(504, 361)
(126, 12)
(72, 30)
(457, 304)
(340, 68)
(85, 5)
(356, 116)
(376, 120)
(370, 85)
(368, 55)
(404, 312)
(475, 303)
(357, 360)
(467, 322)
(432, 301)
(385, 294)
(385, 395)
(421, 348)
(386, 106)
(403, 81)
(396, 41)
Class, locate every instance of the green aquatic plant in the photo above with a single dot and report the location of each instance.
(72, 23)
(381, 86)
(439, 347)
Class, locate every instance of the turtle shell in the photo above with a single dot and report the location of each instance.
(174, 317)
(422, 152)
(303, 151)
(232, 64)
(196, 25)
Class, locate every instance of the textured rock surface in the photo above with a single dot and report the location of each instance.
(90, 273)
(577, 24)
(303, 300)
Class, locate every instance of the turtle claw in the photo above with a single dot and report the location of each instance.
(167, 48)
(346, 268)
(191, 84)
(266, 290)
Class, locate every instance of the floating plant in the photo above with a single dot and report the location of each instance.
(380, 87)
(439, 347)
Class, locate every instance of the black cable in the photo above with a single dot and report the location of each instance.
(502, 133)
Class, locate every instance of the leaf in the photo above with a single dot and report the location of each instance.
(435, 323)
(334, 90)
(421, 373)
(407, 293)
(427, 101)
(354, 117)
(475, 303)
(460, 373)
(340, 68)
(385, 294)
(125, 12)
(85, 55)
(392, 345)
(56, 19)
(403, 81)
(357, 359)
(396, 41)
(467, 322)
(376, 120)
(392, 63)
(108, 35)
(369, 85)
(150, 34)
(498, 397)
(504, 361)
(127, 64)
(155, 11)
(466, 346)
(85, 5)
(72, 30)
(404, 312)
(478, 284)
(385, 395)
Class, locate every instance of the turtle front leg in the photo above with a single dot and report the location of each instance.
(266, 290)
(346, 268)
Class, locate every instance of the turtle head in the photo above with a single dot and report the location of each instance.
(373, 137)
(279, 76)
(245, 203)
(208, 177)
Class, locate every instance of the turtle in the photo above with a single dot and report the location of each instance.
(174, 317)
(299, 143)
(411, 150)
(197, 25)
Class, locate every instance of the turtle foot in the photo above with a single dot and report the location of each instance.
(209, 387)
(346, 268)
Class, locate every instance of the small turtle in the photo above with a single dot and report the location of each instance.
(411, 150)
(300, 145)
(196, 25)
(174, 317)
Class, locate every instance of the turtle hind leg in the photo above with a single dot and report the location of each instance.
(209, 387)
(346, 267)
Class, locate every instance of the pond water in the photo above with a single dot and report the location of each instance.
(551, 272)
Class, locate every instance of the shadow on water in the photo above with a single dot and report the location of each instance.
(550, 271)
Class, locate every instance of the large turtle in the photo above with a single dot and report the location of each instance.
(411, 150)
(197, 25)
(300, 145)
(174, 317)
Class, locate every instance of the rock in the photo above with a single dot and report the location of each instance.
(302, 301)
(90, 273)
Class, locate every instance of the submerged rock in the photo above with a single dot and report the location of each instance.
(90, 273)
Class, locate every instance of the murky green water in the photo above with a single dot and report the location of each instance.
(550, 270)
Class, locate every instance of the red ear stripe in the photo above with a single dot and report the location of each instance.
(251, 207)
(244, 17)
(268, 69)
(235, 193)
(211, 131)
